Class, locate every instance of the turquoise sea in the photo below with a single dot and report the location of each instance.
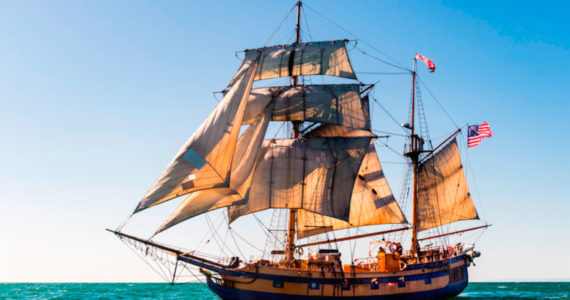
(475, 290)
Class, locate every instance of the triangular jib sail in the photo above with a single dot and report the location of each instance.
(245, 157)
(322, 174)
(205, 160)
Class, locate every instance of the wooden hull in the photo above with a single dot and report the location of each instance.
(434, 280)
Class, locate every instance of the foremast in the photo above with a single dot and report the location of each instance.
(416, 147)
(292, 222)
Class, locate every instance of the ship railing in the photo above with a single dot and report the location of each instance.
(365, 262)
(427, 254)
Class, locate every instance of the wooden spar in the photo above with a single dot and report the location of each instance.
(444, 141)
(414, 155)
(353, 237)
(454, 232)
(290, 248)
(177, 252)
(298, 25)
(369, 87)
(297, 33)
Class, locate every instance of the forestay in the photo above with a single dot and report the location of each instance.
(206, 158)
(443, 194)
(338, 104)
(372, 202)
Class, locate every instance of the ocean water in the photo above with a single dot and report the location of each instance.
(475, 290)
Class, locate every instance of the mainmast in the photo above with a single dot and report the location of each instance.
(290, 250)
(416, 147)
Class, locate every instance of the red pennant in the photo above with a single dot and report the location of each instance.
(428, 62)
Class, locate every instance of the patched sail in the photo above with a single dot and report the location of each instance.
(338, 104)
(245, 157)
(372, 202)
(443, 194)
(205, 160)
(315, 174)
(313, 58)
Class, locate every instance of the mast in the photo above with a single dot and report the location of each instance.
(413, 154)
(290, 249)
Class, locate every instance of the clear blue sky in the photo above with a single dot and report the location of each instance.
(97, 96)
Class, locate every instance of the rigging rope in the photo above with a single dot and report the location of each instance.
(390, 148)
(265, 227)
(280, 24)
(215, 235)
(247, 242)
(161, 274)
(437, 101)
(395, 63)
(235, 242)
(388, 132)
(306, 23)
(380, 60)
(382, 73)
(120, 227)
(473, 176)
(388, 113)
(209, 236)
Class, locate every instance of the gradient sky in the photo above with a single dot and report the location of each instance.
(97, 96)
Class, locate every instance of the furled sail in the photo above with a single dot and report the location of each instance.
(205, 160)
(314, 58)
(337, 104)
(372, 202)
(315, 174)
(443, 194)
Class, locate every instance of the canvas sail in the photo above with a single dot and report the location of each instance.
(338, 104)
(314, 58)
(245, 156)
(200, 202)
(337, 131)
(372, 202)
(247, 152)
(443, 194)
(206, 158)
(315, 174)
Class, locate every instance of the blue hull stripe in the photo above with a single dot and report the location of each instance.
(450, 290)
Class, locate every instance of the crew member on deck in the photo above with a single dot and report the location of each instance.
(399, 249)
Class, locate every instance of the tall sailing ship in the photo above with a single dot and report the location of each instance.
(327, 176)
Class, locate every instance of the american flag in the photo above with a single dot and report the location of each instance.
(475, 133)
